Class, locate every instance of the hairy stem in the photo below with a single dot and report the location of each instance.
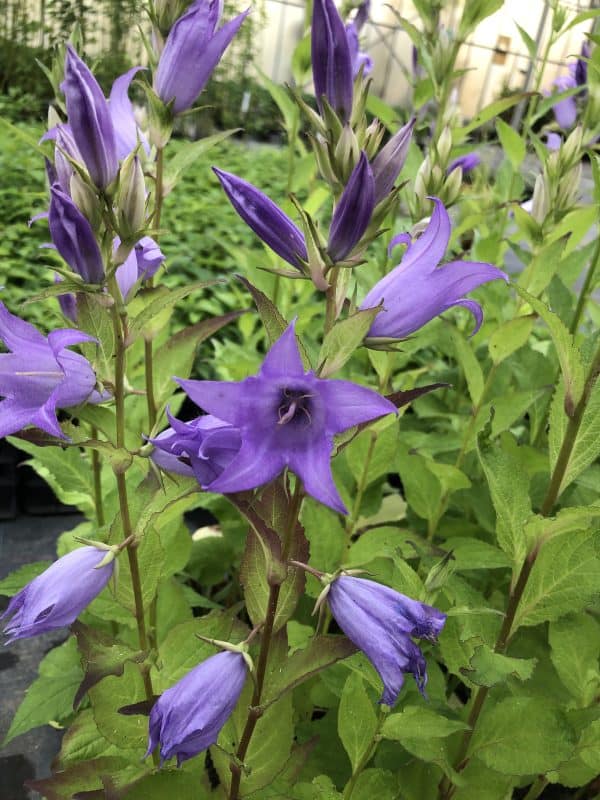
(254, 712)
(558, 473)
(97, 476)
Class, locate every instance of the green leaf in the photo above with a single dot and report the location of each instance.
(465, 356)
(575, 653)
(94, 318)
(514, 146)
(509, 487)
(377, 783)
(129, 731)
(190, 152)
(568, 355)
(289, 109)
(343, 339)
(84, 778)
(65, 471)
(326, 552)
(50, 696)
(383, 111)
(470, 553)
(420, 722)
(370, 454)
(564, 578)
(321, 652)
(14, 582)
(486, 114)
(357, 720)
(181, 784)
(156, 300)
(176, 355)
(83, 741)
(422, 488)
(508, 736)
(528, 42)
(488, 668)
(509, 337)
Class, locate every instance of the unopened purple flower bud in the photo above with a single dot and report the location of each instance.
(353, 211)
(565, 111)
(417, 290)
(553, 140)
(192, 51)
(39, 375)
(67, 301)
(131, 196)
(141, 263)
(56, 597)
(362, 14)
(389, 161)
(581, 67)
(467, 162)
(331, 60)
(203, 447)
(187, 718)
(357, 56)
(90, 120)
(266, 219)
(73, 237)
(381, 622)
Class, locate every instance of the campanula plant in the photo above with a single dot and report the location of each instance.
(348, 440)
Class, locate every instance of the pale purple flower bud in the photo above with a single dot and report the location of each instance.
(203, 447)
(581, 67)
(357, 57)
(287, 417)
(187, 718)
(353, 211)
(362, 14)
(381, 622)
(39, 375)
(73, 237)
(417, 290)
(331, 61)
(192, 51)
(388, 163)
(565, 111)
(141, 263)
(266, 219)
(467, 162)
(553, 140)
(56, 597)
(90, 120)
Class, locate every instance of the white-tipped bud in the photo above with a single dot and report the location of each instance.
(444, 146)
(453, 185)
(346, 154)
(541, 200)
(570, 152)
(85, 199)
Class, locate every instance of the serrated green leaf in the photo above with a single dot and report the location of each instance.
(94, 318)
(14, 582)
(343, 339)
(420, 722)
(509, 337)
(155, 301)
(488, 668)
(575, 653)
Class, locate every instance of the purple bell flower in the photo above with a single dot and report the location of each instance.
(467, 162)
(90, 120)
(416, 291)
(187, 718)
(353, 211)
(39, 375)
(287, 418)
(203, 447)
(142, 262)
(266, 219)
(381, 622)
(389, 161)
(331, 59)
(73, 237)
(56, 597)
(192, 51)
(358, 58)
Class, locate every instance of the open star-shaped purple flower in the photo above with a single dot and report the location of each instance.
(287, 417)
(417, 290)
(40, 375)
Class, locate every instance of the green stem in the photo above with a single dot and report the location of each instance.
(360, 489)
(536, 788)
(532, 106)
(443, 503)
(97, 476)
(254, 712)
(366, 757)
(118, 328)
(330, 301)
(516, 593)
(585, 290)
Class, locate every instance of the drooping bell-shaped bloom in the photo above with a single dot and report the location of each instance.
(287, 417)
(388, 163)
(266, 219)
(565, 110)
(73, 237)
(39, 375)
(331, 59)
(193, 49)
(55, 598)
(358, 58)
(381, 622)
(142, 262)
(467, 162)
(353, 212)
(203, 447)
(187, 718)
(417, 290)
(90, 120)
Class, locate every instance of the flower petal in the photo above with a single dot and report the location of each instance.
(257, 463)
(313, 467)
(284, 356)
(349, 404)
(223, 399)
(127, 133)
